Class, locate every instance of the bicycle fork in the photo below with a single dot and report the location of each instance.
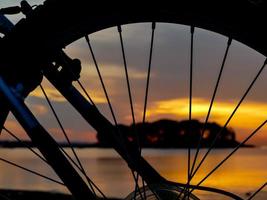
(43, 141)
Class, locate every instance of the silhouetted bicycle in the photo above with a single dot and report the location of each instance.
(33, 49)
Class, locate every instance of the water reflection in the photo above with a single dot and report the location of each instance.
(245, 172)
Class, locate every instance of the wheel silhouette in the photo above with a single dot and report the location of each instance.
(37, 42)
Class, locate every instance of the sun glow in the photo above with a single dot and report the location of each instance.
(55, 96)
(249, 114)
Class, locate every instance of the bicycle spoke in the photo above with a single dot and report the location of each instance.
(81, 168)
(128, 84)
(60, 125)
(87, 177)
(257, 191)
(209, 111)
(101, 79)
(131, 102)
(148, 72)
(230, 154)
(192, 30)
(137, 188)
(103, 85)
(107, 97)
(229, 119)
(85, 92)
(31, 171)
(104, 88)
(211, 104)
(41, 138)
(147, 85)
(25, 145)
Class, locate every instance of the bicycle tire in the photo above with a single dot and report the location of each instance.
(58, 23)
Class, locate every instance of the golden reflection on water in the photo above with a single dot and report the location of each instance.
(244, 172)
(243, 169)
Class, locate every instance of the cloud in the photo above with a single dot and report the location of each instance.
(113, 71)
(12, 125)
(38, 108)
(52, 94)
(249, 115)
(170, 70)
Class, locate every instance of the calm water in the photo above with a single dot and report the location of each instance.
(244, 172)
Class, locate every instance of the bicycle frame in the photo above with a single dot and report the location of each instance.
(12, 101)
(5, 27)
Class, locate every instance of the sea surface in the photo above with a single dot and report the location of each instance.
(243, 174)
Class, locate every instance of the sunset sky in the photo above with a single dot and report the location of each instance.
(169, 86)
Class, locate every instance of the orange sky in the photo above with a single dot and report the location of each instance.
(169, 85)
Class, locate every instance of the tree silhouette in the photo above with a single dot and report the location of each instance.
(167, 133)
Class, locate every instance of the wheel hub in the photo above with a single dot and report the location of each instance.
(157, 192)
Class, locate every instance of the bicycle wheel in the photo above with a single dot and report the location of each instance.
(49, 31)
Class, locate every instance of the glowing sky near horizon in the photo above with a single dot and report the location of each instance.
(169, 85)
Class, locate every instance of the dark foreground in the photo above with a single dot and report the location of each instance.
(28, 195)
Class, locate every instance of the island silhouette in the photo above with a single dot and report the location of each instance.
(166, 133)
(163, 133)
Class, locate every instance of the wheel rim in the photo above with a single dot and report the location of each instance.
(128, 90)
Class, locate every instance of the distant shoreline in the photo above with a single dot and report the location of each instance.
(25, 144)
(160, 134)
(35, 194)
